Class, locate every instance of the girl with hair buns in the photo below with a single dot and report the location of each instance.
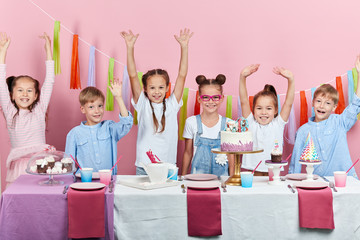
(265, 122)
(157, 116)
(202, 132)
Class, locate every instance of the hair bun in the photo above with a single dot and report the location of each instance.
(220, 79)
(270, 88)
(200, 79)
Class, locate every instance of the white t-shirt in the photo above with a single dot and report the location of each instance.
(190, 130)
(164, 144)
(264, 137)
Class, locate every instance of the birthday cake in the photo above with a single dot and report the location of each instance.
(276, 153)
(236, 137)
(309, 153)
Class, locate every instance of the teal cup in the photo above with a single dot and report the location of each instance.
(86, 174)
(246, 179)
(173, 173)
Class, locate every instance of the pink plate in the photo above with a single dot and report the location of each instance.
(311, 185)
(299, 176)
(203, 185)
(200, 177)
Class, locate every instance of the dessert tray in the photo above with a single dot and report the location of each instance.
(143, 182)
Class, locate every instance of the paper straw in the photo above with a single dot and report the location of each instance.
(158, 158)
(352, 165)
(288, 157)
(75, 162)
(116, 163)
(256, 167)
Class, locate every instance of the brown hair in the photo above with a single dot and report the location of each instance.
(268, 91)
(11, 82)
(202, 81)
(329, 91)
(144, 79)
(90, 94)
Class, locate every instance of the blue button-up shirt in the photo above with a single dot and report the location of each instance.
(330, 141)
(96, 146)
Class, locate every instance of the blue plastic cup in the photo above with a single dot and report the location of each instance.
(246, 179)
(173, 173)
(86, 174)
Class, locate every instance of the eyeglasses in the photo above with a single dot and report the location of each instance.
(207, 98)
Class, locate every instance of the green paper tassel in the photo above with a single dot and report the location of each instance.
(183, 113)
(140, 74)
(355, 78)
(109, 97)
(229, 107)
(56, 48)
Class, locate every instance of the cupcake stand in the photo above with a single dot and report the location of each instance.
(276, 170)
(235, 180)
(309, 169)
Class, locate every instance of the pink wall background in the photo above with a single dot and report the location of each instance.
(317, 40)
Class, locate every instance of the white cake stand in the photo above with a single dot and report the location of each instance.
(276, 170)
(309, 170)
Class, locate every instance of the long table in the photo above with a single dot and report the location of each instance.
(31, 211)
(261, 212)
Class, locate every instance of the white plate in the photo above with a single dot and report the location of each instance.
(311, 185)
(95, 175)
(203, 185)
(200, 177)
(143, 182)
(299, 176)
(87, 185)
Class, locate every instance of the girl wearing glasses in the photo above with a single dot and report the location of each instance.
(202, 132)
(265, 123)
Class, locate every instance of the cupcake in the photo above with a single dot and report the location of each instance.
(67, 163)
(50, 160)
(276, 153)
(41, 165)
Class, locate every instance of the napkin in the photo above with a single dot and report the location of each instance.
(204, 212)
(86, 213)
(316, 208)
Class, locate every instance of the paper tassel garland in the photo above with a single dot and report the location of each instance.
(239, 107)
(109, 97)
(91, 69)
(290, 128)
(355, 79)
(341, 103)
(168, 93)
(56, 48)
(303, 108)
(183, 113)
(251, 102)
(312, 98)
(126, 88)
(229, 107)
(350, 85)
(140, 74)
(75, 68)
(279, 104)
(197, 104)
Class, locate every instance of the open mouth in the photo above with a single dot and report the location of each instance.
(321, 112)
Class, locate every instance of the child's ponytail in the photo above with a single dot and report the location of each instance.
(268, 91)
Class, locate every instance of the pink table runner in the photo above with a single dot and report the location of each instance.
(316, 208)
(204, 212)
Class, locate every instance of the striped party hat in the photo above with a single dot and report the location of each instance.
(309, 153)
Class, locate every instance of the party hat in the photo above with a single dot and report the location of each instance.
(309, 153)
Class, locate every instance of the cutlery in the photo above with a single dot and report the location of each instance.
(282, 178)
(183, 188)
(111, 186)
(223, 186)
(331, 184)
(291, 188)
(66, 187)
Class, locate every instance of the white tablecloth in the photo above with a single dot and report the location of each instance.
(261, 212)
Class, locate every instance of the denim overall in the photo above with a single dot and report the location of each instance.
(204, 159)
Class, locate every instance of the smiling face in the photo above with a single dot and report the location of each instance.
(264, 110)
(156, 88)
(323, 107)
(24, 93)
(211, 105)
(93, 111)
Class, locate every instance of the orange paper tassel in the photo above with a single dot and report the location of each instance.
(197, 104)
(303, 108)
(341, 104)
(75, 68)
(251, 102)
(169, 91)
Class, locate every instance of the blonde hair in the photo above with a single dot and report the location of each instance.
(90, 94)
(328, 91)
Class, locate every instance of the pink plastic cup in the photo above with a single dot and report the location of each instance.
(271, 173)
(105, 176)
(340, 178)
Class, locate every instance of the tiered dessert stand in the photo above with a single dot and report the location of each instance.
(309, 169)
(235, 180)
(276, 170)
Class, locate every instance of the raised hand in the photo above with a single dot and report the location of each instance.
(4, 42)
(283, 72)
(247, 71)
(116, 87)
(130, 38)
(184, 37)
(47, 45)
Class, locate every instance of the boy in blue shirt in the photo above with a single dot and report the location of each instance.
(328, 131)
(94, 142)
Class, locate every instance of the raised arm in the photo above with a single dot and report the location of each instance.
(4, 45)
(244, 100)
(130, 39)
(47, 46)
(357, 65)
(115, 89)
(286, 107)
(183, 40)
